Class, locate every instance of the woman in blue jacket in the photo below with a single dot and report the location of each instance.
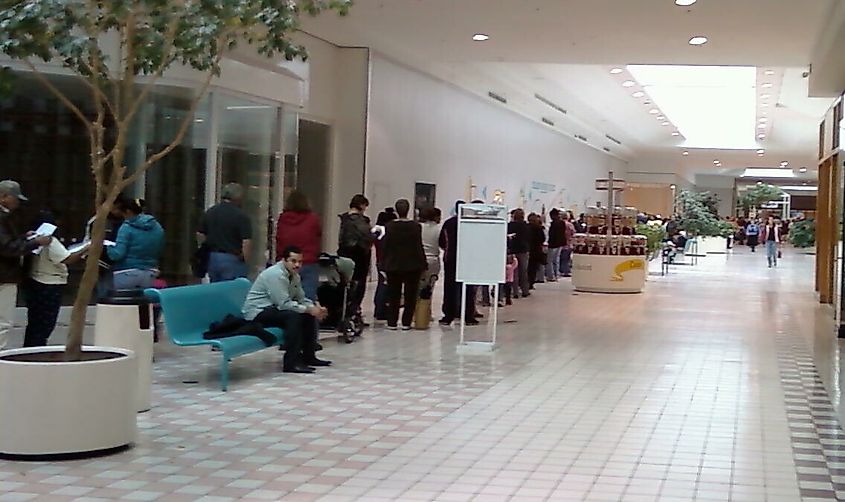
(138, 248)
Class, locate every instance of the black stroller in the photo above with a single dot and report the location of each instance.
(333, 293)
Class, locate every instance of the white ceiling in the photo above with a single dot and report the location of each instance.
(564, 49)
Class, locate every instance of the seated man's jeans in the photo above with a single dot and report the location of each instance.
(300, 334)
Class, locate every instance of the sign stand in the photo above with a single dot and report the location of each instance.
(482, 250)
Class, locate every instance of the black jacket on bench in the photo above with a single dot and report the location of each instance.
(235, 326)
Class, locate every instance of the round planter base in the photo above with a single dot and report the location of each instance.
(64, 457)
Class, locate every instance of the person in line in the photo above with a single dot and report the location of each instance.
(536, 254)
(299, 226)
(227, 231)
(771, 235)
(510, 270)
(277, 300)
(752, 234)
(139, 245)
(430, 220)
(404, 262)
(448, 242)
(13, 247)
(105, 280)
(566, 249)
(557, 238)
(380, 298)
(519, 240)
(43, 288)
(355, 241)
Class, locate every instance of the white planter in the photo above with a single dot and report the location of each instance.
(50, 408)
(114, 328)
(712, 245)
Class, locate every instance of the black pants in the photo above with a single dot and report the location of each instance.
(300, 333)
(452, 295)
(396, 283)
(43, 302)
(362, 258)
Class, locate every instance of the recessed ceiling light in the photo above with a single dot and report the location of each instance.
(638, 94)
(802, 170)
(616, 71)
(685, 3)
(665, 123)
(480, 37)
(784, 163)
(763, 120)
(685, 154)
(698, 40)
(675, 133)
(628, 83)
(765, 96)
(654, 111)
(716, 161)
(769, 72)
(761, 136)
(761, 126)
(661, 117)
(767, 85)
(761, 151)
(764, 105)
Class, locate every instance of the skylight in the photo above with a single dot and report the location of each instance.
(761, 172)
(712, 106)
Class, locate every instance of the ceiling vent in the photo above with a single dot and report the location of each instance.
(548, 121)
(582, 138)
(611, 138)
(550, 103)
(498, 97)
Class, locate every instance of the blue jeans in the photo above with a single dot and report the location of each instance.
(133, 278)
(225, 267)
(553, 264)
(310, 276)
(566, 261)
(772, 253)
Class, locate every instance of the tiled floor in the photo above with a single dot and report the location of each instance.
(703, 388)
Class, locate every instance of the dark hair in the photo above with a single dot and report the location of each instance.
(359, 202)
(554, 214)
(458, 204)
(403, 207)
(477, 201)
(518, 214)
(289, 251)
(427, 214)
(386, 216)
(132, 205)
(297, 202)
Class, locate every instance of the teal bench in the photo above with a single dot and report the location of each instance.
(189, 310)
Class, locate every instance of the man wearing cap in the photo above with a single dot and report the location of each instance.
(227, 231)
(13, 247)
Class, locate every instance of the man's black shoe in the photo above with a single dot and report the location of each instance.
(298, 369)
(472, 322)
(445, 322)
(318, 362)
(478, 316)
(318, 347)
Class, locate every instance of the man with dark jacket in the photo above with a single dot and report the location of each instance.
(227, 231)
(519, 241)
(355, 241)
(13, 247)
(557, 239)
(452, 288)
(404, 262)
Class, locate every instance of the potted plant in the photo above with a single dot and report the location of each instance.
(802, 234)
(756, 196)
(655, 235)
(64, 400)
(699, 218)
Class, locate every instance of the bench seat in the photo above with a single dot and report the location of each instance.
(190, 310)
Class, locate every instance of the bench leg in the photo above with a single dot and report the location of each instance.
(224, 373)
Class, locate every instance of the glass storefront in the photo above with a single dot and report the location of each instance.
(230, 139)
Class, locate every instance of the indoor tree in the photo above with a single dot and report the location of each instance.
(758, 195)
(119, 49)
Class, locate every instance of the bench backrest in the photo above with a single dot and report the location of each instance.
(188, 310)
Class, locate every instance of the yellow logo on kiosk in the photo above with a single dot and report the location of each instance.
(626, 266)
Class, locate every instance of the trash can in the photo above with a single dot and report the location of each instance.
(124, 320)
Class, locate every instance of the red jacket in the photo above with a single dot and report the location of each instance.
(302, 230)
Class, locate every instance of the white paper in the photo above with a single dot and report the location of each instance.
(79, 247)
(44, 230)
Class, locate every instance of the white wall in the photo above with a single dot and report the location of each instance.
(424, 130)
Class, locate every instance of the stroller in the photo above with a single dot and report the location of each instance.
(333, 293)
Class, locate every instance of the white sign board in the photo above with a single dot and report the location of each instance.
(482, 243)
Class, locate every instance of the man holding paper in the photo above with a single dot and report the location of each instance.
(13, 247)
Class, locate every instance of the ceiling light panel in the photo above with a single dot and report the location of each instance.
(759, 172)
(712, 106)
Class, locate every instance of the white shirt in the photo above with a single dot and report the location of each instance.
(47, 267)
(430, 240)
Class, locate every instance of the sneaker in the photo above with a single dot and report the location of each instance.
(406, 328)
(472, 322)
(445, 322)
(392, 328)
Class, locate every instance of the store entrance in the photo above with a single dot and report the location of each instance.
(313, 166)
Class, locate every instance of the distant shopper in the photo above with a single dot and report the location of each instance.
(510, 272)
(519, 241)
(566, 250)
(557, 238)
(430, 220)
(404, 262)
(44, 286)
(140, 242)
(277, 300)
(452, 289)
(752, 234)
(300, 227)
(355, 241)
(227, 231)
(771, 236)
(380, 298)
(13, 247)
(536, 253)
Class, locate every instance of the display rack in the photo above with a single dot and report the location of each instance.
(610, 257)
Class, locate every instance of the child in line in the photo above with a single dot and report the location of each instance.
(510, 272)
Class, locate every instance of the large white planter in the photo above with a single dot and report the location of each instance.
(712, 245)
(117, 326)
(51, 408)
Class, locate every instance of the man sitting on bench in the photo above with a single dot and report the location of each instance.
(277, 300)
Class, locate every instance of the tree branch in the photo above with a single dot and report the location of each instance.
(64, 99)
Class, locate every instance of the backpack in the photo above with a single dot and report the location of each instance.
(353, 234)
